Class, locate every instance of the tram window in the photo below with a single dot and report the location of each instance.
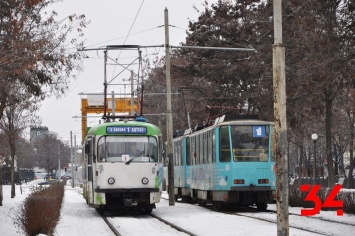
(193, 151)
(247, 148)
(117, 149)
(198, 149)
(176, 155)
(89, 156)
(201, 148)
(153, 150)
(225, 152)
(188, 156)
(181, 152)
(213, 145)
(209, 147)
(205, 146)
(160, 149)
(87, 148)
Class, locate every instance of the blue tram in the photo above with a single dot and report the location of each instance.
(228, 163)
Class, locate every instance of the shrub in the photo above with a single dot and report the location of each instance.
(296, 199)
(40, 212)
(348, 198)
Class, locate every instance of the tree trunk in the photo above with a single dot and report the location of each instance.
(1, 196)
(328, 139)
(351, 150)
(350, 175)
(300, 169)
(13, 149)
(336, 161)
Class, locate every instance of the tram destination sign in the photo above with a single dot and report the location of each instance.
(126, 130)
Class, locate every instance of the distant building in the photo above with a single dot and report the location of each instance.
(37, 132)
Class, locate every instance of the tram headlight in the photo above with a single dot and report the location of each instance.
(111, 180)
(145, 180)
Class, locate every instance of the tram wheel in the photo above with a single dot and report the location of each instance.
(101, 211)
(217, 205)
(184, 199)
(201, 203)
(261, 206)
(147, 210)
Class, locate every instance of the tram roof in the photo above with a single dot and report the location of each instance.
(224, 123)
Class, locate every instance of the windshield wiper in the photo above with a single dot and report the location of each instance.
(130, 160)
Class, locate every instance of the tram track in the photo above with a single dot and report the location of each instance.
(120, 225)
(296, 221)
(174, 226)
(272, 221)
(116, 228)
(322, 219)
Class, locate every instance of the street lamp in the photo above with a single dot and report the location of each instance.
(314, 138)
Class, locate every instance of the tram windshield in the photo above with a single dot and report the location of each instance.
(249, 143)
(127, 148)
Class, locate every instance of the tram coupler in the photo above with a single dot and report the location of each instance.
(130, 202)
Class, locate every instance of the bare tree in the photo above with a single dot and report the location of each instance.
(17, 117)
(36, 50)
(4, 153)
(48, 150)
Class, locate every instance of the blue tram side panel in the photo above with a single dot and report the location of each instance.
(231, 162)
(181, 167)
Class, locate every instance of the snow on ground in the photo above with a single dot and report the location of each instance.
(78, 219)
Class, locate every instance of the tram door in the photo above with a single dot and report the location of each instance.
(90, 152)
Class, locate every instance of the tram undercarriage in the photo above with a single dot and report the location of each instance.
(128, 201)
(232, 198)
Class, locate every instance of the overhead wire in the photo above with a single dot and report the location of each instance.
(134, 21)
(126, 36)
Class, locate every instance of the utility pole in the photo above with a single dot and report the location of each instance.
(169, 117)
(71, 159)
(75, 159)
(132, 97)
(279, 83)
(1, 193)
(59, 175)
(113, 104)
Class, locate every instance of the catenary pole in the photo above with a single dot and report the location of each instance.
(75, 160)
(132, 97)
(59, 175)
(279, 84)
(71, 159)
(113, 104)
(169, 118)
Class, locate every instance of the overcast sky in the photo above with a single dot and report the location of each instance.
(111, 22)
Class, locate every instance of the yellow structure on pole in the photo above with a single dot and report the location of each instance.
(122, 105)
